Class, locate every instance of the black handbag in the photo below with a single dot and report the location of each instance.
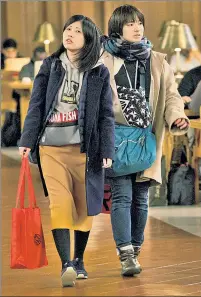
(11, 129)
(181, 180)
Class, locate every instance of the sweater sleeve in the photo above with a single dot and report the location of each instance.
(174, 106)
(33, 120)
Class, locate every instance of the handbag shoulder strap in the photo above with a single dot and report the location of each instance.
(128, 76)
(51, 68)
(142, 77)
(142, 80)
(52, 65)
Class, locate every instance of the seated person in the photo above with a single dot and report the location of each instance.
(189, 59)
(195, 104)
(9, 50)
(39, 54)
(186, 88)
(189, 83)
(195, 101)
(2, 61)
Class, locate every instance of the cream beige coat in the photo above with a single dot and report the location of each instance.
(166, 103)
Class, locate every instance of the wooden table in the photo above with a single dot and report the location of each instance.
(196, 124)
(24, 89)
(190, 113)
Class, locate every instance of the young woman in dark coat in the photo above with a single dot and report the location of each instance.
(69, 127)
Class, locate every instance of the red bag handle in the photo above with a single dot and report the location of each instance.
(25, 171)
(21, 186)
(30, 183)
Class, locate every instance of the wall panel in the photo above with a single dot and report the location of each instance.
(3, 21)
(29, 14)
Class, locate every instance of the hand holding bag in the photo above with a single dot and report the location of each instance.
(27, 240)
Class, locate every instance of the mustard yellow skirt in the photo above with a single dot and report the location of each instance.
(64, 174)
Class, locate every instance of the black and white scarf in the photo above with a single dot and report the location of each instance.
(128, 51)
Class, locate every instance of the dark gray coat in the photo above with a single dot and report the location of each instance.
(96, 122)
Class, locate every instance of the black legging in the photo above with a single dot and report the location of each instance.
(62, 242)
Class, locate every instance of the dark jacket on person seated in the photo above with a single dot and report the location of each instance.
(95, 142)
(27, 71)
(190, 81)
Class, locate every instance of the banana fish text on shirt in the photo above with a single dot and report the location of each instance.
(58, 117)
(63, 119)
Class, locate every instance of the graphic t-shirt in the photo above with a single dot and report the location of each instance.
(62, 127)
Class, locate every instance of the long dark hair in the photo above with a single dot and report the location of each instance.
(88, 56)
(122, 15)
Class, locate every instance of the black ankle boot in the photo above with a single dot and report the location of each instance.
(136, 254)
(128, 261)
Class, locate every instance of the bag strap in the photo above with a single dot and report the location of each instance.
(52, 65)
(25, 171)
(142, 80)
(51, 68)
(32, 197)
(21, 186)
(142, 77)
(129, 80)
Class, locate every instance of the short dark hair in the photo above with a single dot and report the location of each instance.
(9, 43)
(121, 16)
(88, 56)
(38, 49)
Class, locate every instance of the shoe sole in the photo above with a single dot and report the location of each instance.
(81, 276)
(68, 277)
(132, 272)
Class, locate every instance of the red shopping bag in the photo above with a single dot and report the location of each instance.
(27, 240)
(107, 200)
